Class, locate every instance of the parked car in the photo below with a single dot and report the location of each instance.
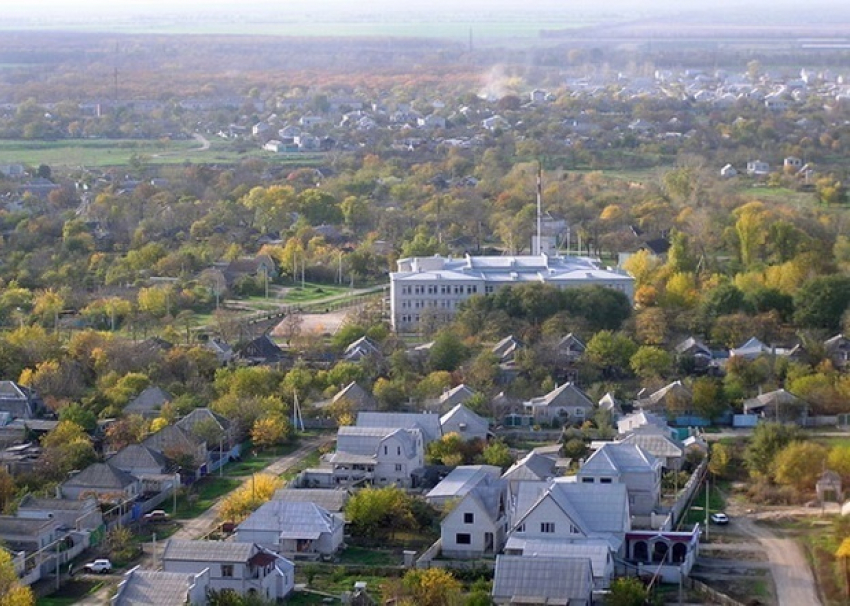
(157, 515)
(720, 518)
(101, 566)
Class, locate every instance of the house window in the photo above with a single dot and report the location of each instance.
(227, 570)
(398, 466)
(463, 538)
(469, 518)
(520, 528)
(579, 412)
(587, 480)
(605, 480)
(573, 529)
(385, 450)
(488, 290)
(398, 450)
(547, 527)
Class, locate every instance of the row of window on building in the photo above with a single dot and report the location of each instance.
(444, 289)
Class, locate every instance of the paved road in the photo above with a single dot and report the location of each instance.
(795, 584)
(204, 523)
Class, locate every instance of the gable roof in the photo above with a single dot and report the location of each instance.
(692, 343)
(772, 399)
(364, 441)
(676, 389)
(153, 588)
(567, 394)
(533, 466)
(462, 415)
(363, 346)
(753, 347)
(596, 550)
(357, 395)
(640, 419)
(102, 475)
(571, 341)
(172, 437)
(427, 423)
(201, 415)
(332, 499)
(461, 480)
(656, 443)
(9, 390)
(208, 551)
(261, 348)
(507, 346)
(541, 580)
(460, 394)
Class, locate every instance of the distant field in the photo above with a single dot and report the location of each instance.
(118, 152)
(781, 195)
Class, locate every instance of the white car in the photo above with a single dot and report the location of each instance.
(101, 566)
(720, 518)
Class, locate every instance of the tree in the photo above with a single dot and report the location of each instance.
(843, 554)
(373, 511)
(498, 454)
(76, 413)
(239, 504)
(447, 352)
(718, 462)
(650, 362)
(767, 441)
(271, 431)
(7, 489)
(448, 450)
(838, 461)
(12, 593)
(821, 302)
(799, 464)
(127, 430)
(626, 591)
(709, 399)
(428, 587)
(610, 351)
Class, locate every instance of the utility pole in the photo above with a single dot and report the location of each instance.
(538, 249)
(707, 491)
(220, 456)
(176, 483)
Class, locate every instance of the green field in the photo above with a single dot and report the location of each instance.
(119, 152)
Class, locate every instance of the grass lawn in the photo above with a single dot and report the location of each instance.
(70, 593)
(145, 532)
(369, 557)
(93, 152)
(253, 464)
(202, 496)
(311, 460)
(312, 292)
(696, 513)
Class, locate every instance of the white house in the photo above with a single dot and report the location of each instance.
(244, 568)
(758, 168)
(294, 530)
(155, 588)
(564, 404)
(440, 284)
(379, 455)
(628, 464)
(460, 481)
(522, 580)
(427, 423)
(478, 524)
(728, 171)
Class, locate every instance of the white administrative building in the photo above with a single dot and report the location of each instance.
(436, 286)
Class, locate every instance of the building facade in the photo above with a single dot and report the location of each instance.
(432, 288)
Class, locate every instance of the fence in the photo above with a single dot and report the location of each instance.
(683, 501)
(715, 596)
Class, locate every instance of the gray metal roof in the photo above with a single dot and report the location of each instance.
(102, 475)
(208, 551)
(137, 456)
(567, 394)
(151, 399)
(543, 580)
(201, 415)
(32, 502)
(13, 525)
(427, 423)
(461, 414)
(364, 441)
(639, 419)
(532, 466)
(307, 520)
(463, 479)
(331, 499)
(619, 457)
(596, 550)
(657, 444)
(154, 588)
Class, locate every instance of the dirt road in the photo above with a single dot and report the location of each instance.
(795, 584)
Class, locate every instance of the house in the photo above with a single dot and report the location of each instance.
(459, 394)
(477, 525)
(139, 461)
(212, 428)
(540, 580)
(673, 397)
(640, 420)
(223, 351)
(154, 588)
(728, 171)
(779, 405)
(261, 350)
(358, 398)
(838, 350)
(659, 444)
(180, 447)
(562, 405)
(465, 423)
(27, 534)
(629, 464)
(505, 350)
(102, 481)
(148, 403)
(19, 402)
(332, 499)
(532, 467)
(294, 530)
(597, 551)
(696, 349)
(426, 422)
(79, 514)
(380, 455)
(460, 481)
(363, 347)
(244, 568)
(610, 403)
(750, 350)
(758, 168)
(570, 347)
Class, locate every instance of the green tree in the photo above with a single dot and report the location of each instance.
(626, 591)
(12, 592)
(610, 351)
(447, 352)
(76, 413)
(650, 362)
(821, 302)
(721, 456)
(767, 441)
(498, 454)
(373, 511)
(271, 431)
(709, 399)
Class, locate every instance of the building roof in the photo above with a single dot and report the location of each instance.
(102, 475)
(332, 499)
(153, 588)
(619, 457)
(203, 415)
(639, 419)
(427, 423)
(752, 348)
(533, 466)
(463, 479)
(292, 520)
(9, 390)
(172, 438)
(364, 441)
(461, 415)
(15, 526)
(542, 580)
(359, 397)
(675, 389)
(772, 399)
(150, 400)
(692, 343)
(43, 503)
(595, 550)
(656, 443)
(567, 394)
(137, 456)
(459, 393)
(208, 551)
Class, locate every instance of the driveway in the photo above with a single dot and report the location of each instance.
(795, 584)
